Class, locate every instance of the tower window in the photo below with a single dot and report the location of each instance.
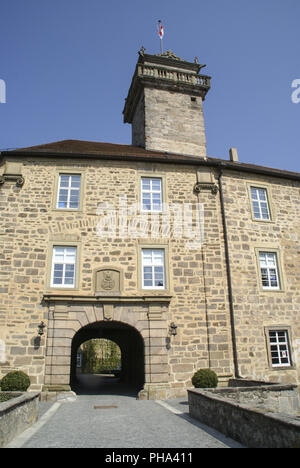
(193, 99)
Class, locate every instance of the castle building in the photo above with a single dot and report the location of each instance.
(184, 260)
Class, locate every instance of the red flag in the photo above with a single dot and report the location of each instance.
(160, 30)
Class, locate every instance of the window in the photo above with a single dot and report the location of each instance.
(269, 270)
(279, 348)
(151, 190)
(63, 267)
(68, 196)
(79, 359)
(260, 203)
(153, 268)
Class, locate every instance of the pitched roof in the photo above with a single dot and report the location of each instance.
(113, 151)
(83, 147)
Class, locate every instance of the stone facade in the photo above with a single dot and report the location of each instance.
(221, 314)
(195, 300)
(255, 309)
(184, 135)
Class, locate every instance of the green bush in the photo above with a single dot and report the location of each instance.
(16, 381)
(5, 397)
(205, 378)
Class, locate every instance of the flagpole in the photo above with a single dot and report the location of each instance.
(160, 33)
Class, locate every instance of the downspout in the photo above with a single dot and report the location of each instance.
(230, 295)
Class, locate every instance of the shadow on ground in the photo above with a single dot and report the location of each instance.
(102, 384)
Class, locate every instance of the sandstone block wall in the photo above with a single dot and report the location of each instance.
(30, 226)
(256, 309)
(169, 121)
(252, 427)
(196, 299)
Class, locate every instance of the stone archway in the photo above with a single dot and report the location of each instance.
(129, 341)
(69, 318)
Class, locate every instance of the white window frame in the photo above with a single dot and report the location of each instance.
(68, 189)
(269, 266)
(64, 264)
(152, 192)
(280, 349)
(260, 203)
(152, 265)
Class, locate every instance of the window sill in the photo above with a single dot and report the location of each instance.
(267, 291)
(155, 292)
(283, 368)
(161, 212)
(268, 221)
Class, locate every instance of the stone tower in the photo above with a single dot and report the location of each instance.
(164, 104)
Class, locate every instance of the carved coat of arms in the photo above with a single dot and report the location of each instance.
(107, 283)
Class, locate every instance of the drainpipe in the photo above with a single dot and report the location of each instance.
(230, 295)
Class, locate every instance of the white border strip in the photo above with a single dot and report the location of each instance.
(168, 407)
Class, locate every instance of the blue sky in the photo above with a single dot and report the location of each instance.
(67, 65)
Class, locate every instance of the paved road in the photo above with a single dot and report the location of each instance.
(119, 421)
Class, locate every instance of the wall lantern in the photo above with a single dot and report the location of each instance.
(41, 328)
(173, 329)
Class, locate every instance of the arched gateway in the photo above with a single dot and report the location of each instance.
(137, 325)
(129, 341)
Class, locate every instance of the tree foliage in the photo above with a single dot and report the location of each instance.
(100, 355)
